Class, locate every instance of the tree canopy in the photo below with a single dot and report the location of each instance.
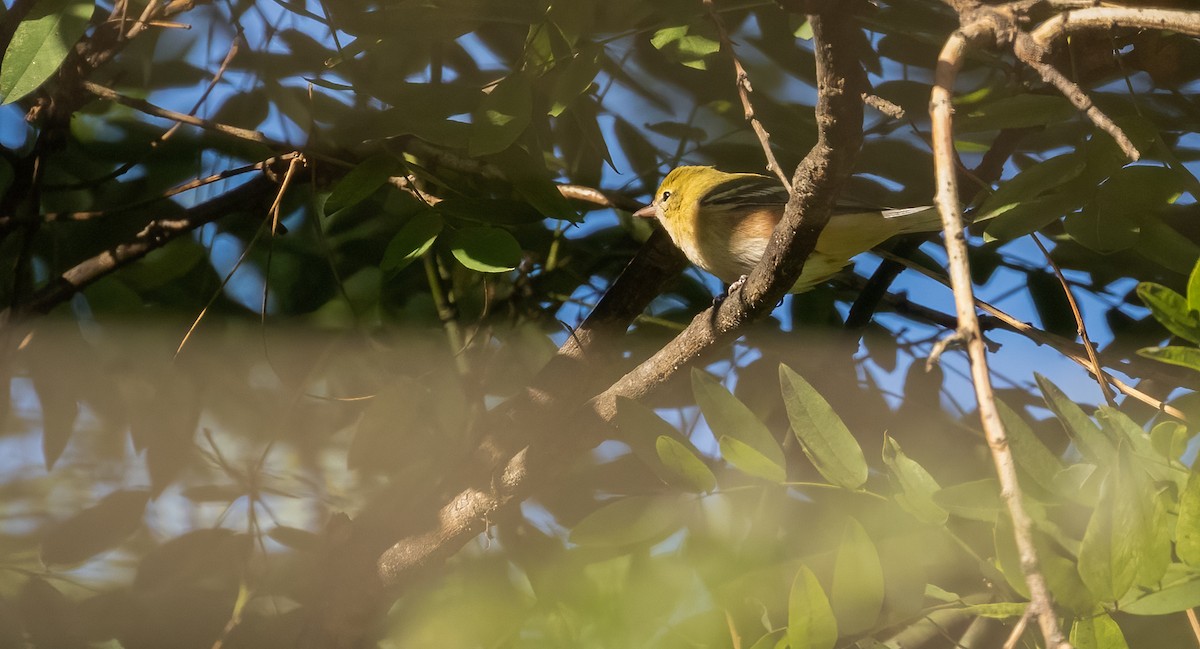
(327, 324)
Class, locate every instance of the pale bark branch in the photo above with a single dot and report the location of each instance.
(947, 200)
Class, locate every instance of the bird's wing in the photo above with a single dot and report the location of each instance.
(743, 190)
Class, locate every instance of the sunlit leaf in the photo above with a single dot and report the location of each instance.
(998, 610)
(917, 486)
(730, 418)
(1111, 554)
(976, 500)
(1099, 632)
(1188, 357)
(414, 238)
(750, 460)
(1029, 452)
(825, 439)
(502, 116)
(683, 462)
(487, 250)
(636, 519)
(1171, 310)
(857, 592)
(40, 44)
(811, 623)
(1187, 529)
(1092, 442)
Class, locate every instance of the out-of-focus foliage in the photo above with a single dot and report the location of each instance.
(179, 438)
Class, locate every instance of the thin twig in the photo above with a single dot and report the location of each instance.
(1065, 347)
(1080, 327)
(150, 109)
(1018, 629)
(1027, 51)
(744, 89)
(1191, 616)
(941, 108)
(155, 235)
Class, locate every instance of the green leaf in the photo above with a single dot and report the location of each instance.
(1171, 310)
(680, 460)
(40, 44)
(362, 181)
(811, 623)
(573, 78)
(1193, 288)
(641, 429)
(1032, 215)
(825, 439)
(978, 500)
(1188, 357)
(1088, 437)
(1170, 439)
(412, 241)
(917, 486)
(1030, 453)
(502, 116)
(1180, 590)
(1105, 231)
(627, 521)
(486, 250)
(95, 529)
(1099, 632)
(749, 460)
(857, 592)
(1016, 112)
(998, 610)
(1031, 183)
(771, 640)
(1114, 542)
(684, 47)
(729, 417)
(1187, 529)
(1165, 245)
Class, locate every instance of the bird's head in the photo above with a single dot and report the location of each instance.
(680, 193)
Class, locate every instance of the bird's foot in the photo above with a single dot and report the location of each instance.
(737, 283)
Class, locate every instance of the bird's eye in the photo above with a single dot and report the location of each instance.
(665, 196)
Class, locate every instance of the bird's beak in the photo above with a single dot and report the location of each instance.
(648, 212)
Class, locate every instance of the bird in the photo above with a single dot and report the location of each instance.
(723, 221)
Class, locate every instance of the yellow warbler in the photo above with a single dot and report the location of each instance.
(723, 221)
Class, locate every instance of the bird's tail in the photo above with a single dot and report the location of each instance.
(914, 219)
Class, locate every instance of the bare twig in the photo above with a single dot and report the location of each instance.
(882, 105)
(1191, 616)
(941, 108)
(744, 89)
(1097, 368)
(1018, 629)
(1026, 49)
(150, 109)
(1063, 346)
(155, 235)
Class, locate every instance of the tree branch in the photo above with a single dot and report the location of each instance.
(155, 234)
(941, 108)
